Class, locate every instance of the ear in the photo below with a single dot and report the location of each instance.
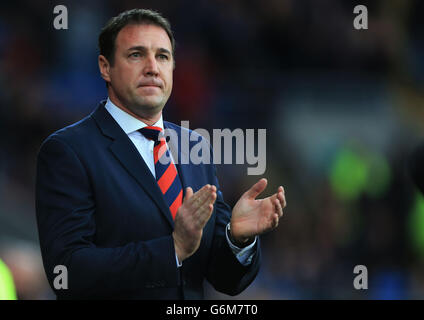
(104, 68)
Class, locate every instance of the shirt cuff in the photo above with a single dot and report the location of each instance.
(243, 255)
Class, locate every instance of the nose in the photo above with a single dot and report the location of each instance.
(151, 66)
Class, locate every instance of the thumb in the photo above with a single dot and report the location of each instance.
(256, 189)
(189, 194)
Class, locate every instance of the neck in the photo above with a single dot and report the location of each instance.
(148, 120)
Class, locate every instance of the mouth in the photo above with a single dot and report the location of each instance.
(149, 86)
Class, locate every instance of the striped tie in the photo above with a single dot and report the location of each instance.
(166, 174)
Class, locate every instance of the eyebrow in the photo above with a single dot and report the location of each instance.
(142, 48)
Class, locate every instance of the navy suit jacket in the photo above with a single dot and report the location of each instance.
(101, 214)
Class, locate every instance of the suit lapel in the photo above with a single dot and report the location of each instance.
(126, 153)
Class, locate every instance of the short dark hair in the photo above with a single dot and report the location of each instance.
(110, 31)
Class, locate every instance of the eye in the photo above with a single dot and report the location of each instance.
(163, 57)
(135, 54)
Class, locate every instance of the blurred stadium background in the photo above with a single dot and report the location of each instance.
(343, 110)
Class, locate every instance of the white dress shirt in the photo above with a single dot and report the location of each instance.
(131, 125)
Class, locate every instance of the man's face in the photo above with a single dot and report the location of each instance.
(140, 79)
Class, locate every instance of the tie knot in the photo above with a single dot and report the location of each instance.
(151, 133)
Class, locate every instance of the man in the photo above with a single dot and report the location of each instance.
(123, 224)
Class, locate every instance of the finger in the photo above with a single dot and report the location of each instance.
(204, 198)
(188, 194)
(198, 195)
(274, 223)
(279, 208)
(256, 189)
(203, 208)
(281, 197)
(210, 195)
(197, 208)
(205, 213)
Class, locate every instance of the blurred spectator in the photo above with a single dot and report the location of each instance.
(24, 262)
(7, 286)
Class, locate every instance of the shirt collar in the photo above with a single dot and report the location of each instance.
(127, 122)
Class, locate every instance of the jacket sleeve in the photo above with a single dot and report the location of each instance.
(66, 210)
(225, 272)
